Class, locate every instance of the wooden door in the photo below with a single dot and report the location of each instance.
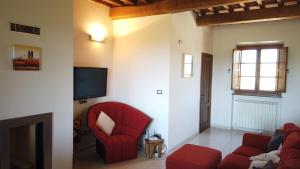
(205, 97)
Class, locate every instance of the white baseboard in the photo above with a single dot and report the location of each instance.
(185, 141)
(221, 127)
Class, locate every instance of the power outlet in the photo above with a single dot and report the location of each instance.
(159, 92)
(83, 101)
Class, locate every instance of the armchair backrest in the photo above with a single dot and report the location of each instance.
(129, 120)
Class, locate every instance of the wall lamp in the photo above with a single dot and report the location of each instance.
(97, 33)
(97, 37)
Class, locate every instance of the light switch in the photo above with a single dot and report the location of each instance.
(159, 91)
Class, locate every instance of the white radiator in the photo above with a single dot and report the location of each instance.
(254, 113)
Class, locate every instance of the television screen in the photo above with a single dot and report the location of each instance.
(89, 82)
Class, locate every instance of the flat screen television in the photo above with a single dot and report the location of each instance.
(89, 82)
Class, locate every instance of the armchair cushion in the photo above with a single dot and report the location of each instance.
(105, 123)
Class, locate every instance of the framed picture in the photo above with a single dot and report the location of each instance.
(187, 65)
(26, 58)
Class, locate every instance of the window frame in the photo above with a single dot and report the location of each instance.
(256, 91)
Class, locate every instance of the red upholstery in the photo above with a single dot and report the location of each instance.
(254, 144)
(120, 147)
(194, 157)
(290, 128)
(248, 151)
(130, 124)
(235, 161)
(256, 141)
(290, 153)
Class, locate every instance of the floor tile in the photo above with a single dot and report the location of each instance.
(221, 139)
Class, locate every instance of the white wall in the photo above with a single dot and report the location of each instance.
(86, 15)
(185, 92)
(147, 57)
(225, 40)
(26, 93)
(141, 66)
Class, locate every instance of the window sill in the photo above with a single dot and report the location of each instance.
(258, 94)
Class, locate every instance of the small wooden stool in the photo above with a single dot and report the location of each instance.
(150, 145)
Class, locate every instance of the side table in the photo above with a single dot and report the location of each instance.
(150, 145)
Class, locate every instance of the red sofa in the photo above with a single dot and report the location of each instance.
(130, 123)
(254, 144)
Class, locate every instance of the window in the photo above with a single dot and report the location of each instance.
(259, 70)
(187, 65)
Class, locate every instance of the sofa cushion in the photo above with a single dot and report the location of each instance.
(289, 128)
(290, 153)
(256, 141)
(292, 141)
(235, 161)
(290, 146)
(290, 164)
(248, 151)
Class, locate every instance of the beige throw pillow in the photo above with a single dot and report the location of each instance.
(105, 123)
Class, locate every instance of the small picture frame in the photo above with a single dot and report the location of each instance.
(26, 58)
(187, 68)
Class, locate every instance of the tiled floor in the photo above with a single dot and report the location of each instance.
(224, 140)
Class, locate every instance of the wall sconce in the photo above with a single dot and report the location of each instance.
(97, 37)
(97, 33)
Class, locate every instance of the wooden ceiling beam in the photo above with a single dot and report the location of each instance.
(129, 2)
(229, 8)
(280, 3)
(266, 14)
(167, 6)
(260, 4)
(115, 2)
(103, 2)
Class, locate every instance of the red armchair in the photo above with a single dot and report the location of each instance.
(130, 123)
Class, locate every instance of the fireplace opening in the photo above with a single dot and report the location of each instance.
(26, 147)
(26, 142)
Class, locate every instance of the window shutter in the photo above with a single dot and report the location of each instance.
(282, 69)
(236, 69)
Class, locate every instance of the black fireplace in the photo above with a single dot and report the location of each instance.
(26, 142)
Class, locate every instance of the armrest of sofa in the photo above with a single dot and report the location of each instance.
(256, 141)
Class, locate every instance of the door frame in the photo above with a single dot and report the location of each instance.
(201, 129)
